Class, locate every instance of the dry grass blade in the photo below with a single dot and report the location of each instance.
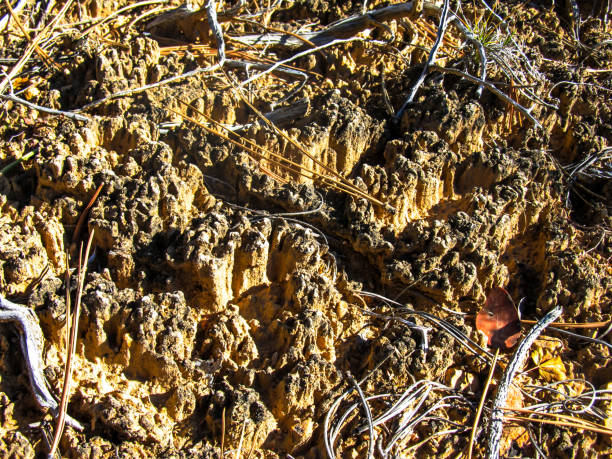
(572, 419)
(43, 55)
(250, 146)
(71, 349)
(240, 442)
(571, 325)
(223, 433)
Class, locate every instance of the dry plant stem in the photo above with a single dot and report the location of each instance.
(223, 434)
(570, 325)
(573, 419)
(275, 158)
(586, 338)
(281, 116)
(328, 436)
(490, 87)
(471, 38)
(464, 340)
(430, 59)
(497, 415)
(368, 413)
(32, 46)
(49, 111)
(215, 28)
(344, 28)
(239, 449)
(84, 213)
(297, 56)
(231, 63)
(31, 340)
(481, 404)
(71, 350)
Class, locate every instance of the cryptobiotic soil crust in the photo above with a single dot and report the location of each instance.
(222, 305)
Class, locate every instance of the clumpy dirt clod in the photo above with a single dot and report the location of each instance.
(237, 291)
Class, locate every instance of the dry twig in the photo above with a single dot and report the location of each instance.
(497, 416)
(31, 340)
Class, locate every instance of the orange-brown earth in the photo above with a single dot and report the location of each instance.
(222, 305)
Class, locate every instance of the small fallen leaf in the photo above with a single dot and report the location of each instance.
(499, 320)
(550, 368)
(553, 369)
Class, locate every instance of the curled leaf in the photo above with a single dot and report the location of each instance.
(499, 320)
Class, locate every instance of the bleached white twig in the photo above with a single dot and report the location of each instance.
(31, 340)
(491, 87)
(430, 59)
(40, 108)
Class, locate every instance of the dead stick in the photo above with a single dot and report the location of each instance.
(497, 415)
(31, 340)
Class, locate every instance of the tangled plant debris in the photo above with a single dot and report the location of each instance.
(303, 216)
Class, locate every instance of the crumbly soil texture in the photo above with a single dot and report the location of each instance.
(234, 300)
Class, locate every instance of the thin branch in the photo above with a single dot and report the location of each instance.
(31, 340)
(444, 22)
(490, 87)
(497, 415)
(40, 108)
(16, 9)
(117, 13)
(481, 405)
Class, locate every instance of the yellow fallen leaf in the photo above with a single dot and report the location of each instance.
(550, 367)
(553, 369)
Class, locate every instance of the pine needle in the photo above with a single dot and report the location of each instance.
(71, 350)
(481, 404)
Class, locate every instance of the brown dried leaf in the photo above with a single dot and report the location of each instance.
(499, 320)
